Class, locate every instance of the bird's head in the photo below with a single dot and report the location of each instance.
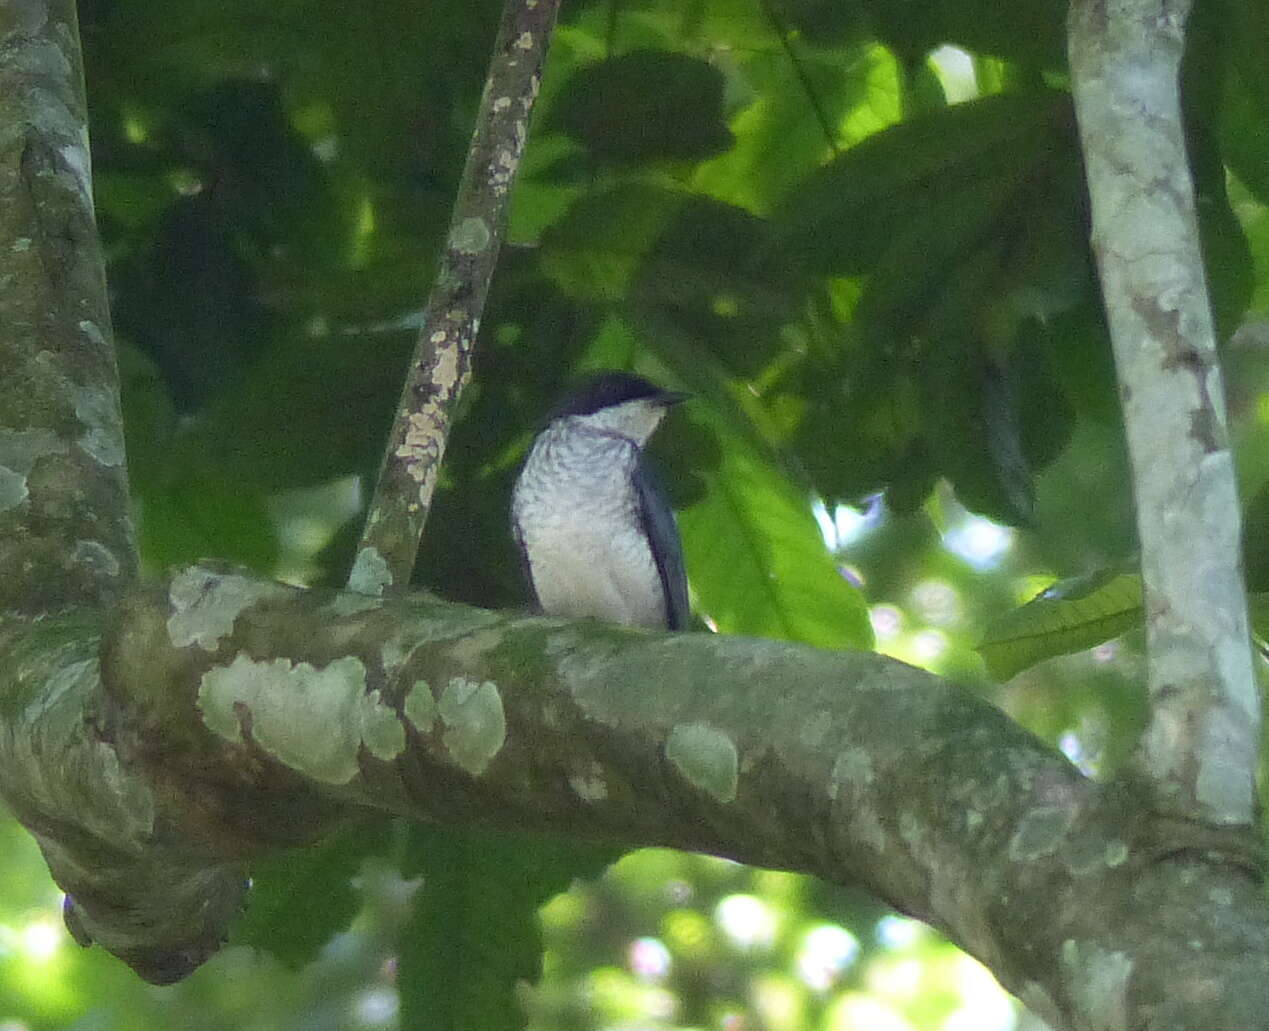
(620, 403)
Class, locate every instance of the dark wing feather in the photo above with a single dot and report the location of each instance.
(524, 561)
(667, 550)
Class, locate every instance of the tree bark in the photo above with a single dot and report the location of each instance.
(65, 534)
(229, 716)
(154, 737)
(442, 360)
(1200, 753)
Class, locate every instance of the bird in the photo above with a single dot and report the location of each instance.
(595, 533)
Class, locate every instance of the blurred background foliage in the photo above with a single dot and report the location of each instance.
(855, 230)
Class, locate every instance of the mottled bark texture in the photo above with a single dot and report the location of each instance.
(1200, 752)
(65, 538)
(155, 742)
(442, 361)
(227, 716)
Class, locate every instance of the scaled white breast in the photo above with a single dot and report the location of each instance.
(582, 534)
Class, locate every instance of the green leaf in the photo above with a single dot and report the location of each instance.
(1046, 414)
(796, 114)
(1244, 141)
(193, 518)
(972, 424)
(847, 214)
(972, 432)
(1259, 611)
(1205, 70)
(194, 307)
(645, 106)
(925, 257)
(1070, 616)
(1226, 254)
(149, 420)
(824, 22)
(1032, 31)
(300, 900)
(474, 936)
(1243, 138)
(715, 265)
(1258, 241)
(1256, 540)
(313, 409)
(595, 250)
(756, 559)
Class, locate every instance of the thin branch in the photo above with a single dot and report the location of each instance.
(1200, 751)
(442, 360)
(64, 520)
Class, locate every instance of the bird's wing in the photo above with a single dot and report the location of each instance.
(518, 535)
(667, 549)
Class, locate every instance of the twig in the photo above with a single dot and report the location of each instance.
(441, 365)
(1199, 753)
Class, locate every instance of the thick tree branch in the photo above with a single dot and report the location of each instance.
(1200, 751)
(442, 360)
(65, 536)
(229, 716)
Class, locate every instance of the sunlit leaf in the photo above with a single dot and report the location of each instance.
(953, 164)
(795, 116)
(1070, 616)
(755, 556)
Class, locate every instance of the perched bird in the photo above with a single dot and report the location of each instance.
(595, 533)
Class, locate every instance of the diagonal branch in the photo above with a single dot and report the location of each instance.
(1200, 751)
(441, 365)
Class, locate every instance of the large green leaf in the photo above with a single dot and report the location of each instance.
(759, 563)
(964, 226)
(716, 268)
(1244, 139)
(474, 937)
(595, 250)
(797, 113)
(972, 433)
(1244, 136)
(756, 559)
(1030, 31)
(299, 900)
(1070, 616)
(192, 518)
(1256, 540)
(315, 407)
(1259, 611)
(944, 164)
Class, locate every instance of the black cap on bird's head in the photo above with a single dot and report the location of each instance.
(607, 389)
